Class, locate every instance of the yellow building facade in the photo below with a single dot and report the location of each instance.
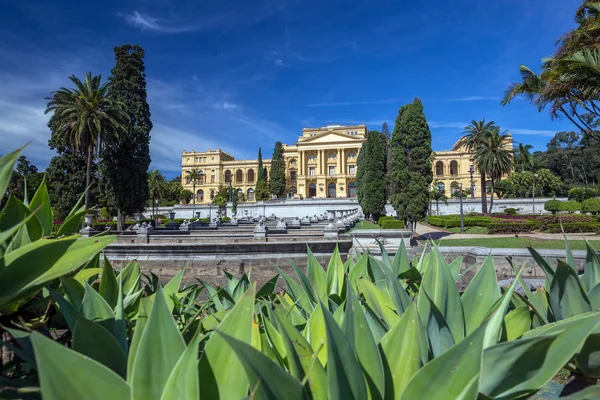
(322, 164)
(454, 167)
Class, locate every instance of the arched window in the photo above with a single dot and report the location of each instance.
(292, 191)
(227, 176)
(240, 192)
(351, 155)
(453, 188)
(453, 168)
(352, 189)
(200, 196)
(239, 176)
(250, 195)
(250, 176)
(201, 179)
(312, 190)
(312, 158)
(293, 162)
(331, 156)
(331, 190)
(293, 175)
(441, 187)
(439, 168)
(212, 194)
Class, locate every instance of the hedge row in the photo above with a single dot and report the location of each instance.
(392, 224)
(590, 206)
(453, 221)
(574, 227)
(384, 218)
(513, 227)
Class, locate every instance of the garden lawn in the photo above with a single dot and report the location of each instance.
(471, 229)
(518, 243)
(367, 225)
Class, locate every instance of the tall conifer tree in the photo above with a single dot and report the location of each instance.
(277, 181)
(261, 191)
(411, 167)
(124, 166)
(373, 191)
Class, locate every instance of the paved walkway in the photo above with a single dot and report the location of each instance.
(431, 232)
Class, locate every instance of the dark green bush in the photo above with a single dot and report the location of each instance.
(552, 206)
(513, 227)
(392, 224)
(179, 220)
(570, 206)
(574, 227)
(385, 218)
(583, 193)
(591, 206)
(205, 220)
(225, 219)
(453, 221)
(510, 211)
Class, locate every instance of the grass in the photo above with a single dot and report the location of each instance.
(518, 243)
(367, 225)
(471, 229)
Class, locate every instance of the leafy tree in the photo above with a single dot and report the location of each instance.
(186, 196)
(373, 178)
(86, 119)
(194, 176)
(125, 162)
(502, 187)
(473, 135)
(277, 181)
(549, 184)
(24, 172)
(385, 130)
(360, 168)
(523, 157)
(261, 191)
(411, 172)
(157, 187)
(493, 158)
(437, 194)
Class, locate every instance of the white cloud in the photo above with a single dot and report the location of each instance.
(352, 103)
(445, 124)
(279, 62)
(147, 22)
(534, 132)
(477, 98)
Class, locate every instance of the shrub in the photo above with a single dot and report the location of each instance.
(548, 220)
(392, 224)
(574, 227)
(570, 206)
(513, 227)
(225, 219)
(552, 206)
(591, 206)
(453, 221)
(385, 218)
(204, 220)
(105, 213)
(583, 193)
(510, 211)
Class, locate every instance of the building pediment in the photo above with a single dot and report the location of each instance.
(331, 137)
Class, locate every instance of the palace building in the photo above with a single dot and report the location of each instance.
(322, 164)
(451, 168)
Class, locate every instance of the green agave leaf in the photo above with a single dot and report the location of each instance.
(569, 253)
(316, 275)
(94, 307)
(268, 288)
(85, 274)
(588, 359)
(20, 239)
(7, 163)
(184, 382)
(359, 269)
(109, 289)
(378, 326)
(440, 336)
(8, 233)
(481, 294)
(441, 288)
(267, 379)
(400, 263)
(591, 274)
(404, 348)
(297, 293)
(140, 326)
(40, 205)
(70, 378)
(379, 302)
(567, 298)
(305, 283)
(131, 277)
(120, 328)
(94, 341)
(241, 288)
(594, 297)
(157, 352)
(521, 367)
(345, 379)
(222, 373)
(213, 295)
(543, 263)
(73, 223)
(274, 338)
(376, 272)
(399, 297)
(317, 335)
(517, 322)
(335, 274)
(172, 288)
(41, 261)
(74, 291)
(14, 212)
(358, 334)
(454, 267)
(453, 375)
(69, 312)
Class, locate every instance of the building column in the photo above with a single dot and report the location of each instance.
(339, 163)
(320, 163)
(300, 163)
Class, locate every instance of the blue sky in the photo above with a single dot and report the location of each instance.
(242, 74)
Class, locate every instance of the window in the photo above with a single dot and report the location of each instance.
(331, 156)
(251, 176)
(331, 170)
(212, 179)
(187, 159)
(212, 159)
(187, 180)
(351, 155)
(293, 175)
(250, 195)
(197, 159)
(351, 169)
(312, 157)
(311, 171)
(201, 180)
(293, 162)
(212, 194)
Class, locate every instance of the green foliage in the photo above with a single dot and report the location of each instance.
(277, 175)
(574, 227)
(453, 221)
(581, 194)
(385, 218)
(261, 190)
(510, 211)
(591, 206)
(505, 227)
(392, 224)
(570, 206)
(372, 181)
(411, 166)
(552, 206)
(125, 161)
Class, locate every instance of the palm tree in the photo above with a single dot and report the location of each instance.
(473, 135)
(85, 118)
(438, 195)
(523, 157)
(157, 187)
(494, 158)
(194, 176)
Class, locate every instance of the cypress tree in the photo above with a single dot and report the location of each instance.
(360, 169)
(388, 166)
(277, 181)
(373, 178)
(124, 166)
(411, 167)
(261, 191)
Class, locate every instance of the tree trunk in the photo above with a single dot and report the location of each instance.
(88, 178)
(437, 207)
(194, 189)
(120, 220)
(483, 194)
(491, 194)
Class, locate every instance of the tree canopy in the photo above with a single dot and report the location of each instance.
(277, 175)
(372, 182)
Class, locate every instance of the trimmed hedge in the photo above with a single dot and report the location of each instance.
(225, 219)
(570, 206)
(575, 227)
(453, 221)
(392, 224)
(385, 218)
(552, 206)
(513, 227)
(510, 211)
(591, 206)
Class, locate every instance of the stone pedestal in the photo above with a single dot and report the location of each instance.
(305, 221)
(295, 223)
(314, 219)
(281, 226)
(260, 231)
(340, 224)
(184, 226)
(214, 223)
(88, 232)
(233, 221)
(331, 232)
